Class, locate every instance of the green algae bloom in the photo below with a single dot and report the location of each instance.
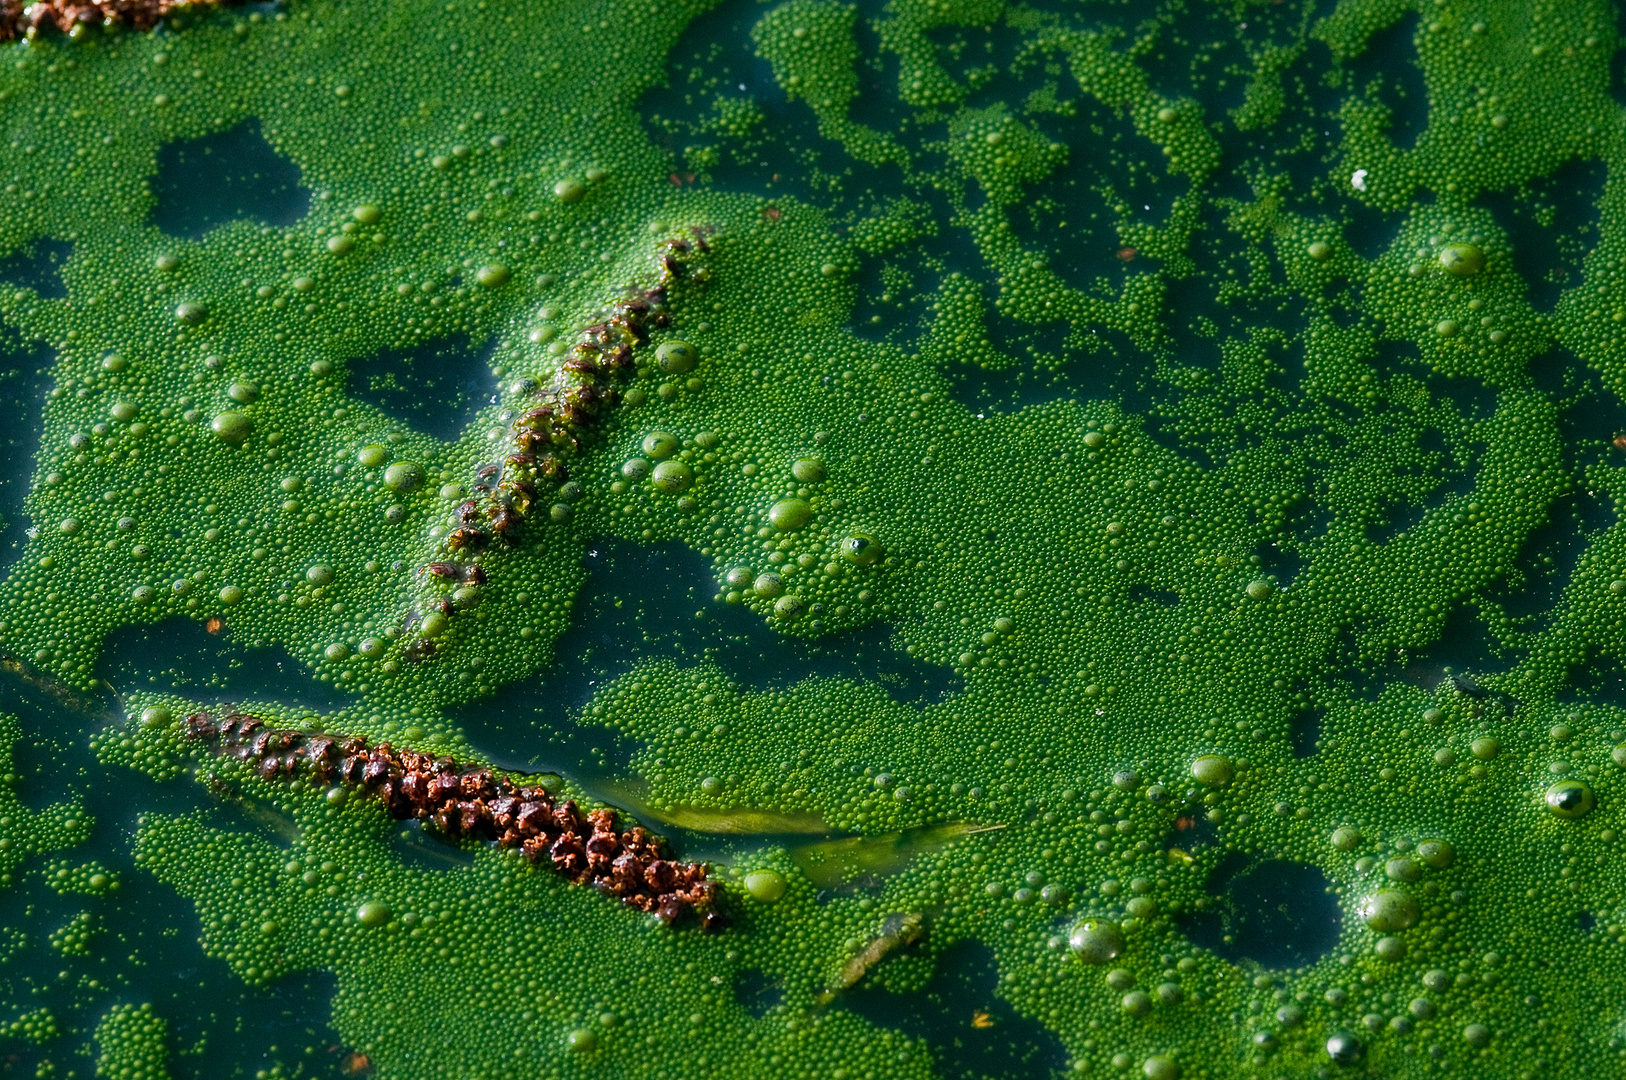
(232, 427)
(672, 477)
(676, 357)
(1462, 260)
(765, 886)
(1096, 941)
(1388, 910)
(1570, 799)
(404, 476)
(1096, 522)
(790, 515)
(373, 913)
(862, 550)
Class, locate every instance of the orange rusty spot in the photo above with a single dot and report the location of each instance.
(1184, 823)
(1620, 442)
(1127, 254)
(677, 181)
(356, 1064)
(771, 213)
(981, 1020)
(213, 625)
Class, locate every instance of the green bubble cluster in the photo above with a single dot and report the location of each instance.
(1240, 465)
(38, 1026)
(74, 938)
(26, 832)
(88, 879)
(133, 1044)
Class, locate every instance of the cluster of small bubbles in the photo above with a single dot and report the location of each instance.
(132, 1041)
(74, 938)
(38, 1026)
(65, 876)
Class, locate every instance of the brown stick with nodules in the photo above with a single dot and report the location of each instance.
(475, 804)
(587, 387)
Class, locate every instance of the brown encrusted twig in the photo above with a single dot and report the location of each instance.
(474, 804)
(20, 18)
(582, 393)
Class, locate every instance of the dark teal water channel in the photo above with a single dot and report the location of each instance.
(146, 950)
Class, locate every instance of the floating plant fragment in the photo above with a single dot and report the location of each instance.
(831, 864)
